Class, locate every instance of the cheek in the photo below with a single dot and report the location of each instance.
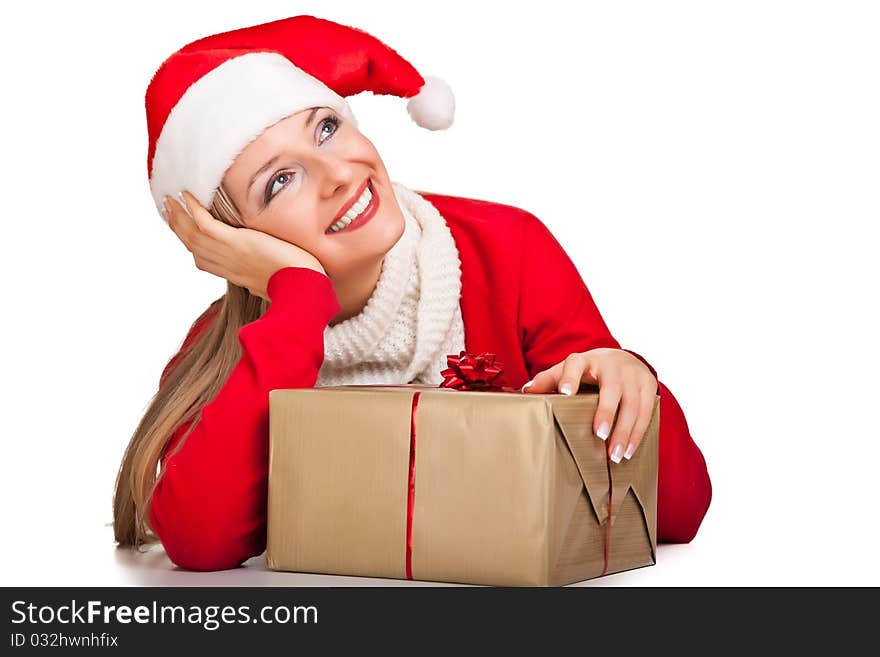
(289, 227)
(361, 148)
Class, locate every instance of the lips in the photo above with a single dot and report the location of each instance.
(349, 204)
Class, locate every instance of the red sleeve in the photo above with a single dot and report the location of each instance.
(557, 317)
(209, 507)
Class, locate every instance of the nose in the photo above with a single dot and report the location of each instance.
(338, 176)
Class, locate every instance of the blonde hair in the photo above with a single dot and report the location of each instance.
(193, 378)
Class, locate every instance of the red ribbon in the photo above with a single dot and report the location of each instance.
(412, 483)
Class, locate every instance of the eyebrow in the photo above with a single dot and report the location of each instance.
(273, 160)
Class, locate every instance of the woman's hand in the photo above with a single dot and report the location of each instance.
(622, 378)
(243, 256)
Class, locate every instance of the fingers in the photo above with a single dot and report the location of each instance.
(196, 227)
(179, 219)
(564, 377)
(621, 393)
(572, 373)
(197, 215)
(610, 393)
(627, 415)
(195, 209)
(203, 219)
(183, 229)
(646, 409)
(544, 381)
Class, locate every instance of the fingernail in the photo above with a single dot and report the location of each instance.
(527, 385)
(183, 205)
(615, 453)
(565, 388)
(603, 431)
(629, 451)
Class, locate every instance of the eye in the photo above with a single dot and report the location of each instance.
(329, 121)
(283, 177)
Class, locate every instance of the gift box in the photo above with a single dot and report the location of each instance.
(477, 486)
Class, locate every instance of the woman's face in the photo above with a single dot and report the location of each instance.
(299, 176)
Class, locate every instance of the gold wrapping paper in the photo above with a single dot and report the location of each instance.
(509, 489)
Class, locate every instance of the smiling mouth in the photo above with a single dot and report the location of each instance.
(366, 213)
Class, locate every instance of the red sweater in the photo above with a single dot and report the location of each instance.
(522, 298)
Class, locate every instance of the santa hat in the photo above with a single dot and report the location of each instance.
(211, 98)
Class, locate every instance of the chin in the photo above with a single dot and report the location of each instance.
(397, 224)
(390, 216)
(389, 228)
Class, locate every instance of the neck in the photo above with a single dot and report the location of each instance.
(355, 289)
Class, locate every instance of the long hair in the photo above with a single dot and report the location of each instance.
(192, 379)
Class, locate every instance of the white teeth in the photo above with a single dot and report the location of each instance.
(353, 211)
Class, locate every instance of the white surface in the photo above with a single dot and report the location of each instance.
(712, 169)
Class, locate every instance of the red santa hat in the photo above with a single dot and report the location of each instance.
(211, 98)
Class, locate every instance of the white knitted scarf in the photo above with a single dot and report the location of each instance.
(413, 318)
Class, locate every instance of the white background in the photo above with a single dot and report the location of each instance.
(712, 169)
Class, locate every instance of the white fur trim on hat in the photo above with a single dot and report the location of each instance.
(222, 112)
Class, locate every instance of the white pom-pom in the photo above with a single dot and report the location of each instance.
(434, 106)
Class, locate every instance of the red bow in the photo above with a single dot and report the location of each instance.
(468, 371)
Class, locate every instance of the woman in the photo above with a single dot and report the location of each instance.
(337, 275)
